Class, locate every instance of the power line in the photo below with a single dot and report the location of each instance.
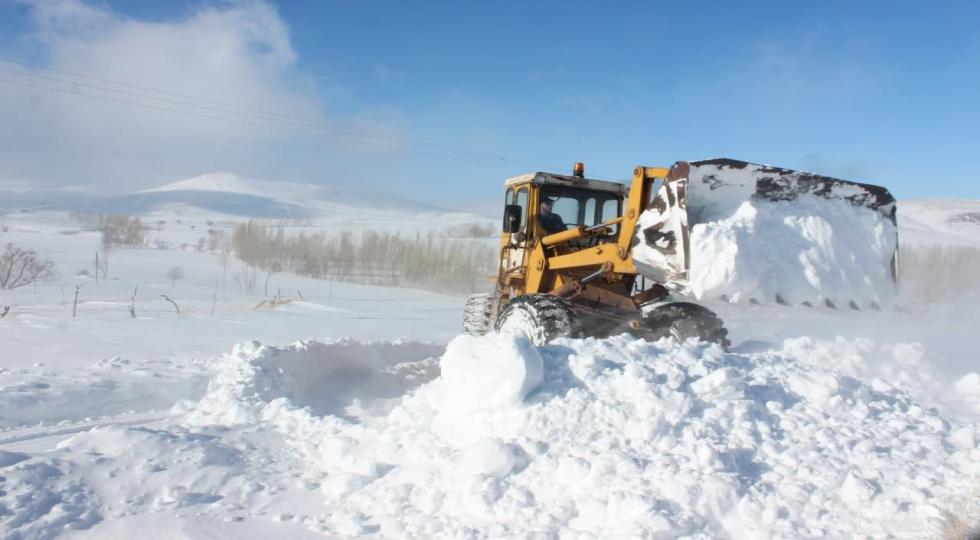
(246, 122)
(257, 117)
(303, 124)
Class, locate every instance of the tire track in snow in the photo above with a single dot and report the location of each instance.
(36, 433)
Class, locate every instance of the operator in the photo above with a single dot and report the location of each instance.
(548, 221)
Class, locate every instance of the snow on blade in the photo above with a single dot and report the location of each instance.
(809, 250)
(599, 438)
(751, 232)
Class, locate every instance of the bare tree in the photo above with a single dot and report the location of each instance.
(103, 265)
(272, 269)
(220, 245)
(119, 230)
(20, 267)
(175, 274)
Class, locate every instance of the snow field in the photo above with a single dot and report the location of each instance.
(614, 437)
(491, 437)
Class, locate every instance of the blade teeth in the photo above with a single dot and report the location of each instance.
(806, 303)
(829, 304)
(780, 300)
(853, 305)
(875, 306)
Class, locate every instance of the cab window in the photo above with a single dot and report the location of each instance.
(568, 209)
(610, 210)
(522, 196)
(578, 206)
(590, 214)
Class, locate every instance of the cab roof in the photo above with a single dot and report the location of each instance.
(543, 179)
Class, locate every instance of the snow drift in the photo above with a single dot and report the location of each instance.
(600, 438)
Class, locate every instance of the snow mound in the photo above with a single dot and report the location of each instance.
(342, 378)
(482, 375)
(611, 438)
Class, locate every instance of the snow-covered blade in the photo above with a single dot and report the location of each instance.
(740, 231)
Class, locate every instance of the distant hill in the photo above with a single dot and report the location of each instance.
(224, 194)
(939, 221)
(220, 194)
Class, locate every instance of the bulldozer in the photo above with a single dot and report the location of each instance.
(584, 257)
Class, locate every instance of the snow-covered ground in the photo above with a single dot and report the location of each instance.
(359, 411)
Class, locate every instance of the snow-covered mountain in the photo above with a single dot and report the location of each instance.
(225, 194)
(219, 194)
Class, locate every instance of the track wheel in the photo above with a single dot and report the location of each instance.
(476, 314)
(542, 317)
(683, 320)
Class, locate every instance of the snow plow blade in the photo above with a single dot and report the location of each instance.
(743, 232)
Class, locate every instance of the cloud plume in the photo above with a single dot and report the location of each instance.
(196, 96)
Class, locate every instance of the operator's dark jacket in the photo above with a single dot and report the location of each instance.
(550, 224)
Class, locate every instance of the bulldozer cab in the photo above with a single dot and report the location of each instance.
(577, 201)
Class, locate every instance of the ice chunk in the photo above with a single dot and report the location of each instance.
(491, 372)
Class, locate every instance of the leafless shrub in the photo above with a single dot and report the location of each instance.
(245, 279)
(122, 230)
(118, 230)
(175, 274)
(381, 258)
(220, 245)
(20, 267)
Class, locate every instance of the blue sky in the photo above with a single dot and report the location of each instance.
(883, 92)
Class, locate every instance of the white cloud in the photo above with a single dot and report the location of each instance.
(237, 55)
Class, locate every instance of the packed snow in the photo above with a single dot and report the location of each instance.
(358, 411)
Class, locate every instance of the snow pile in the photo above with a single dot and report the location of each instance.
(809, 250)
(331, 378)
(600, 438)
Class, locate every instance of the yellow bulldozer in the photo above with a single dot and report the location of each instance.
(582, 257)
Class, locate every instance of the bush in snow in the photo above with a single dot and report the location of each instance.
(175, 274)
(20, 267)
(121, 230)
(377, 258)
